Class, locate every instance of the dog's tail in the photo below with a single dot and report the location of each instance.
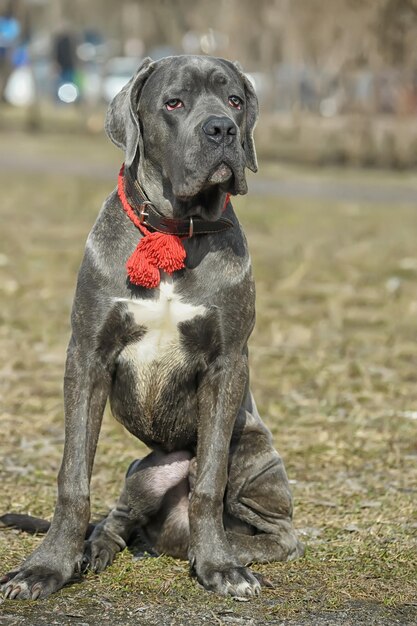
(32, 525)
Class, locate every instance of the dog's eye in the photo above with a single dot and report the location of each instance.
(235, 102)
(173, 104)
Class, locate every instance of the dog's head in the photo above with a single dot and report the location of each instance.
(191, 120)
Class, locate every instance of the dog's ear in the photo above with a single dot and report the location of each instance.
(122, 123)
(252, 111)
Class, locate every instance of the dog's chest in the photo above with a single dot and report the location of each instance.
(160, 318)
(153, 392)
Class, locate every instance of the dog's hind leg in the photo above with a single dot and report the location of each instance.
(258, 494)
(153, 504)
(109, 537)
(266, 547)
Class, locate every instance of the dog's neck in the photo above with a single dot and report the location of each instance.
(158, 189)
(152, 185)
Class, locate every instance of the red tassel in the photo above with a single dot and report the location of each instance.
(153, 252)
(165, 251)
(141, 270)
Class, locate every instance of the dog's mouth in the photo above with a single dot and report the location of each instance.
(221, 178)
(221, 174)
(228, 178)
(207, 200)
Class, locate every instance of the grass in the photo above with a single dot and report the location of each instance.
(334, 372)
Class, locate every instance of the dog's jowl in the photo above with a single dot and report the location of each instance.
(162, 313)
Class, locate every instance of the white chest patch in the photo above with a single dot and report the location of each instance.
(161, 318)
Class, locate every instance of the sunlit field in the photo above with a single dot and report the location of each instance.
(334, 372)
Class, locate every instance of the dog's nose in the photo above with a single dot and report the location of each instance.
(220, 129)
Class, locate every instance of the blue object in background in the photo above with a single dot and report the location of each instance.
(9, 32)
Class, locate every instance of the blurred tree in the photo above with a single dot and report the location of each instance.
(329, 33)
(396, 31)
(320, 44)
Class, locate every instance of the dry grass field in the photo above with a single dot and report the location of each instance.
(334, 372)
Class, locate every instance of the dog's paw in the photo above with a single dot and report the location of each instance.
(297, 552)
(31, 583)
(98, 554)
(232, 580)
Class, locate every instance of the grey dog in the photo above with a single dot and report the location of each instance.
(173, 359)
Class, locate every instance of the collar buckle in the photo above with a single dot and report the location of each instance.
(142, 213)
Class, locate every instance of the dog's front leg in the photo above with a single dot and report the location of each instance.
(215, 565)
(53, 563)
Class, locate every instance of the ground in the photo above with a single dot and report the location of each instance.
(334, 372)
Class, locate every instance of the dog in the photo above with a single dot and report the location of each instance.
(166, 341)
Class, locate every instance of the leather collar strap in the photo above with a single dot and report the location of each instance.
(152, 219)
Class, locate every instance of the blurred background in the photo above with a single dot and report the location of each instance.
(337, 79)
